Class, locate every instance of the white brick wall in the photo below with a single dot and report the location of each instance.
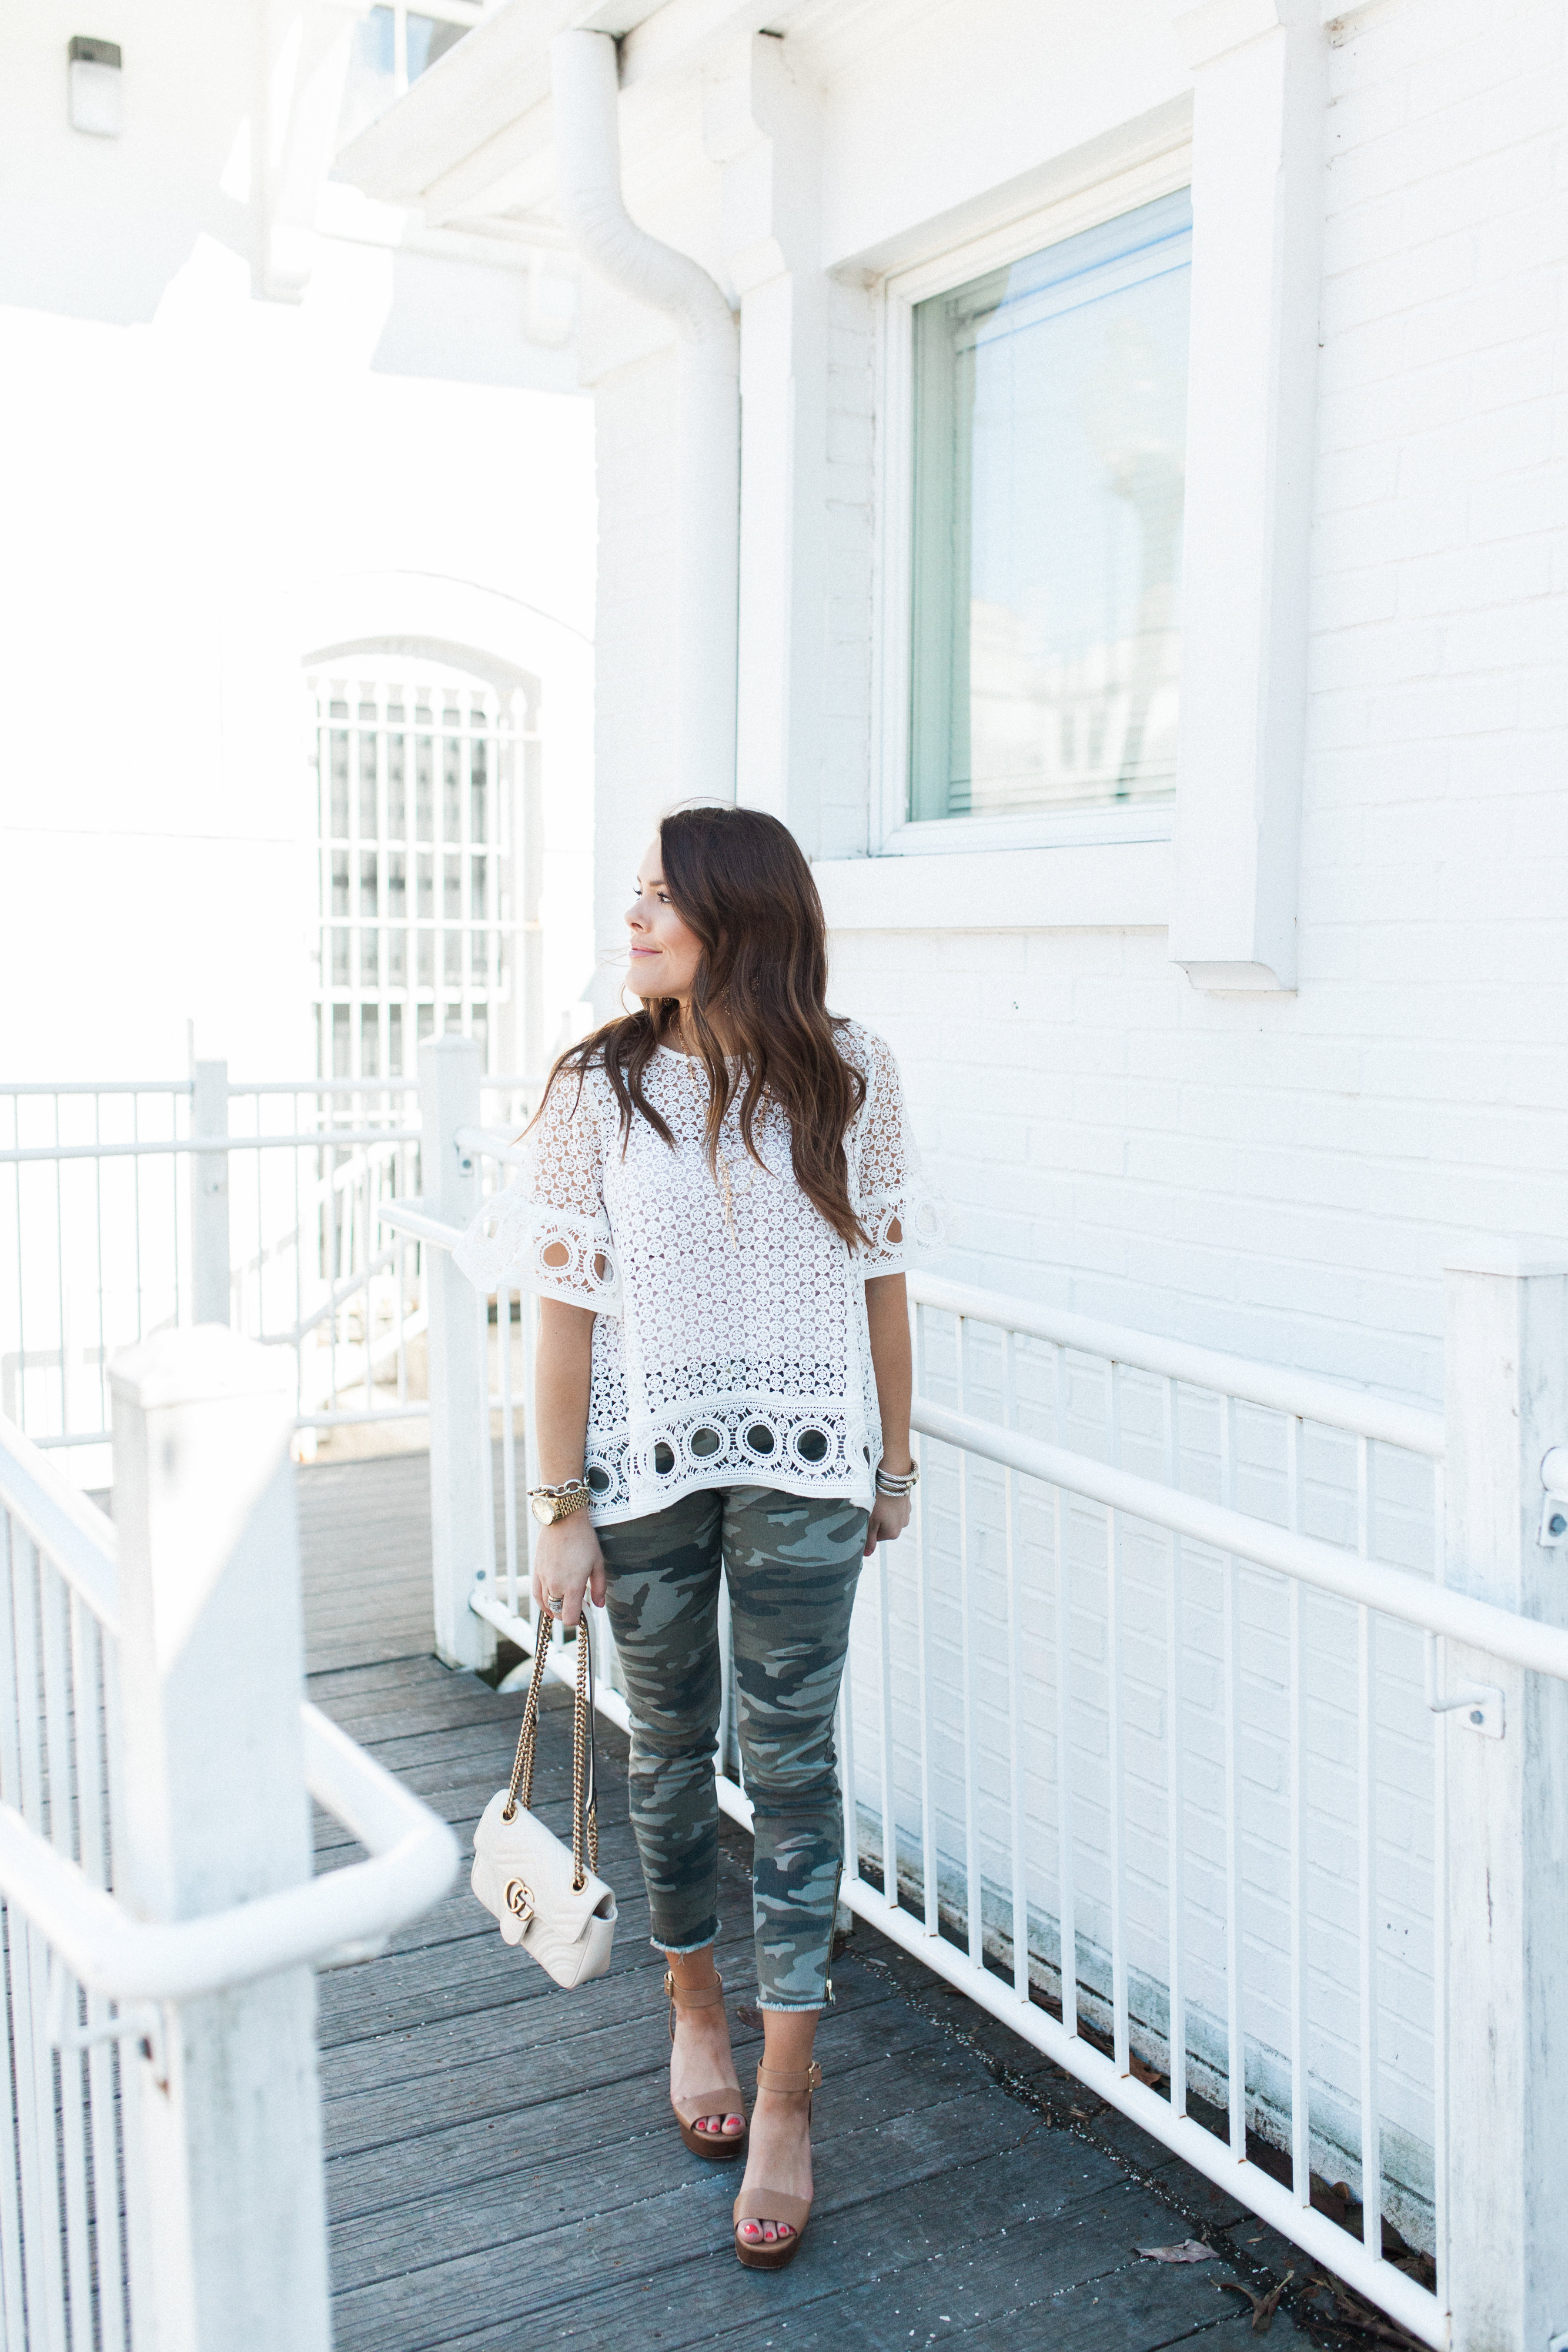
(1285, 1177)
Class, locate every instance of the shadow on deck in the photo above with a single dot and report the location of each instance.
(503, 2167)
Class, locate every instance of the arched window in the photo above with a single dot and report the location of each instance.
(421, 766)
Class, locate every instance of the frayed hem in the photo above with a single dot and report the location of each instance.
(683, 1952)
(792, 2008)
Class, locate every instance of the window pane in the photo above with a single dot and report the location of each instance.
(429, 38)
(1049, 439)
(452, 783)
(371, 84)
(476, 781)
(397, 785)
(368, 829)
(339, 766)
(423, 773)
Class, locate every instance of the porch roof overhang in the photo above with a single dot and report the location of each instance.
(471, 143)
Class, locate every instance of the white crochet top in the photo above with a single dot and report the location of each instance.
(730, 1346)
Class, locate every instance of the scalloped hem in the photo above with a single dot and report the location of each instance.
(838, 1490)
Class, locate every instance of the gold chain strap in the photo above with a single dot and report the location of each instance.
(584, 1778)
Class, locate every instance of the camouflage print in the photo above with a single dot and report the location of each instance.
(792, 1563)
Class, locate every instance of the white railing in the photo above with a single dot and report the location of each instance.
(154, 1849)
(1191, 1732)
(128, 1209)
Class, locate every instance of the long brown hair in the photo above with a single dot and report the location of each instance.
(736, 878)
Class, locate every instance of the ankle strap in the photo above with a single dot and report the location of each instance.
(787, 2079)
(701, 1996)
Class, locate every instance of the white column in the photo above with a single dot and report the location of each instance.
(763, 128)
(209, 1197)
(1506, 1342)
(1258, 131)
(461, 1506)
(224, 2122)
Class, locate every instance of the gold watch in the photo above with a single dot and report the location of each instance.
(551, 1503)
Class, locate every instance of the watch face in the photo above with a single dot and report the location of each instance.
(543, 1511)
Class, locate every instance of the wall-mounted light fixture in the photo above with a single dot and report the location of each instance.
(94, 86)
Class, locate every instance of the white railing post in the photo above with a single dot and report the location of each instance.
(210, 1196)
(1507, 1804)
(461, 1509)
(229, 2246)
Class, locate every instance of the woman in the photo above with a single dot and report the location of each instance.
(716, 1220)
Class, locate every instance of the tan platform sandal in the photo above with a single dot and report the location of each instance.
(719, 2148)
(777, 2204)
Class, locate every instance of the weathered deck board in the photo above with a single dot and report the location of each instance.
(502, 2163)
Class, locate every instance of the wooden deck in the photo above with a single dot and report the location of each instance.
(503, 2169)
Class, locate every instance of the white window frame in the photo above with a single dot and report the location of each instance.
(508, 723)
(893, 832)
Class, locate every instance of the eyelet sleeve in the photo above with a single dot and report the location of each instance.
(892, 1198)
(547, 1231)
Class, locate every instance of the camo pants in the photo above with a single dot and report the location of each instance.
(792, 1563)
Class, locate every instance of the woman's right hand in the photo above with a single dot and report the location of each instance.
(568, 1563)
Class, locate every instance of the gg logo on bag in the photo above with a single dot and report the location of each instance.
(519, 1899)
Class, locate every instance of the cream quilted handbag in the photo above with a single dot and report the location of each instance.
(548, 1898)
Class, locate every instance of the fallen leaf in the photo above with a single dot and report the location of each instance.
(748, 2015)
(1264, 2306)
(1190, 2250)
(1143, 2074)
(1354, 2314)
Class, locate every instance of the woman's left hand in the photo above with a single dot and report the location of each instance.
(889, 1517)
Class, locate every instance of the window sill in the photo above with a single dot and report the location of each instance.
(1097, 886)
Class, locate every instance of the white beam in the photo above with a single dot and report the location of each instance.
(462, 1523)
(1507, 1805)
(1259, 72)
(214, 1812)
(761, 128)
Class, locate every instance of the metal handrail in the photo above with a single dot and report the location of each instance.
(1285, 1390)
(414, 1856)
(340, 1139)
(79, 1539)
(494, 1144)
(1331, 1567)
(413, 1217)
(1302, 1393)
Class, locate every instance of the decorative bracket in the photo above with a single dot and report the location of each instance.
(141, 2022)
(1478, 1705)
(1553, 1529)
